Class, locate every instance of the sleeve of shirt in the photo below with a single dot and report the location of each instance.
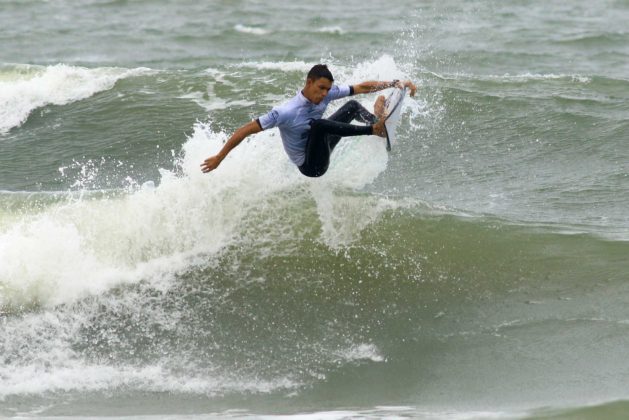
(270, 120)
(339, 91)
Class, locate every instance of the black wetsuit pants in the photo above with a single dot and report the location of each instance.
(326, 133)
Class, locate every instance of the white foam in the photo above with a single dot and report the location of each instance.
(42, 358)
(32, 87)
(215, 103)
(522, 77)
(71, 375)
(286, 66)
(361, 352)
(337, 30)
(383, 68)
(344, 216)
(391, 413)
(251, 30)
(83, 247)
(539, 76)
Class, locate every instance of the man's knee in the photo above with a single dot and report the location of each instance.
(353, 103)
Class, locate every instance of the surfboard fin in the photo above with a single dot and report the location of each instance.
(386, 133)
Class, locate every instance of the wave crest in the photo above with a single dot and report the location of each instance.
(26, 88)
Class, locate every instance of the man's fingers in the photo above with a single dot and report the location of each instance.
(412, 87)
(205, 166)
(210, 164)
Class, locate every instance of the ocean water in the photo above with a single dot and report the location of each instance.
(478, 270)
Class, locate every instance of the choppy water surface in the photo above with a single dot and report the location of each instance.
(479, 270)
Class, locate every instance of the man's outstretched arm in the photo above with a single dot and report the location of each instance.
(239, 135)
(373, 86)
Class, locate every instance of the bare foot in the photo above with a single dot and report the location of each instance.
(379, 129)
(378, 107)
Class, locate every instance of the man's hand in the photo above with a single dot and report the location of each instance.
(211, 163)
(408, 84)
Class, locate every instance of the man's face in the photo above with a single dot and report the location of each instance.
(316, 90)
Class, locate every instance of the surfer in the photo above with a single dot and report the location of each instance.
(308, 138)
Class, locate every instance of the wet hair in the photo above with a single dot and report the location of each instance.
(319, 71)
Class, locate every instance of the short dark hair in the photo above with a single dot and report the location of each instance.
(319, 71)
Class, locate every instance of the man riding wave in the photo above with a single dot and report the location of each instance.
(308, 138)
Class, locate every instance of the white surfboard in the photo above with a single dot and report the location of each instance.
(392, 108)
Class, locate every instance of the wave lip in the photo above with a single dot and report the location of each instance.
(24, 88)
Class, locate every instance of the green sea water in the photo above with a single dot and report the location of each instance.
(478, 270)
